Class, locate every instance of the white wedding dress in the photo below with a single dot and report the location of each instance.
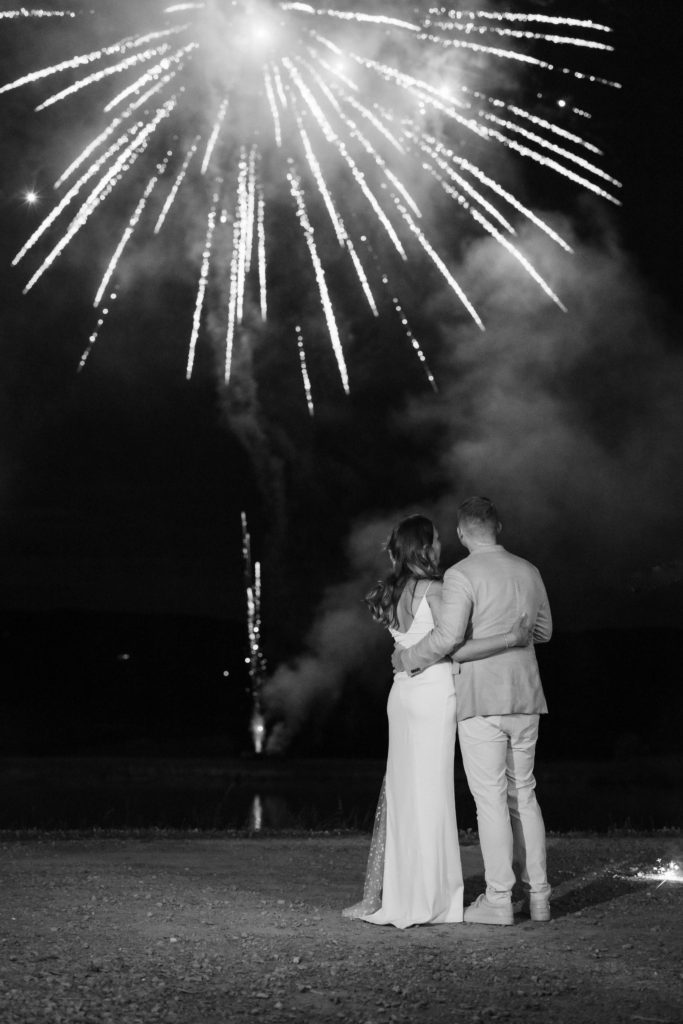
(414, 873)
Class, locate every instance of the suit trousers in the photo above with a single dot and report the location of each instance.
(498, 756)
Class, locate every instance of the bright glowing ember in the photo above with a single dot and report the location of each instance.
(663, 871)
(366, 118)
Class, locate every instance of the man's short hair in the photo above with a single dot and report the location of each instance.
(478, 513)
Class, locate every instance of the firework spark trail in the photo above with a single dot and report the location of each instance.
(355, 16)
(37, 13)
(201, 290)
(362, 277)
(241, 232)
(304, 371)
(588, 44)
(553, 165)
(374, 121)
(420, 90)
(213, 138)
(238, 261)
(334, 139)
(516, 55)
(97, 76)
(476, 172)
(130, 228)
(282, 95)
(422, 239)
(115, 123)
(92, 170)
(173, 191)
(493, 211)
(546, 144)
(358, 136)
(441, 266)
(270, 93)
(87, 58)
(250, 210)
(339, 103)
(474, 193)
(100, 192)
(232, 316)
(516, 16)
(261, 246)
(337, 223)
(307, 228)
(104, 313)
(519, 256)
(495, 233)
(411, 337)
(490, 51)
(540, 122)
(334, 70)
(153, 73)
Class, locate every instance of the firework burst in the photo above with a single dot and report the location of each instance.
(366, 119)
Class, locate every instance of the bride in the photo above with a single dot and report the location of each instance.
(414, 874)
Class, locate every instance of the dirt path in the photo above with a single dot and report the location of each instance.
(200, 930)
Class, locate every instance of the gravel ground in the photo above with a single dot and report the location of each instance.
(199, 929)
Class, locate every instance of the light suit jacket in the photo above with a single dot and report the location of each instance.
(482, 596)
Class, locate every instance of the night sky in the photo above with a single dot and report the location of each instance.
(121, 486)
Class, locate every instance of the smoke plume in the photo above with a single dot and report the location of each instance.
(570, 422)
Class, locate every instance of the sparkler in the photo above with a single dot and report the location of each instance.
(366, 118)
(662, 871)
(255, 658)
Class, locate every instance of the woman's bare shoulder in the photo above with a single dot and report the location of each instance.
(433, 594)
(425, 587)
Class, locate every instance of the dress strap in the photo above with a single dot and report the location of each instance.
(422, 596)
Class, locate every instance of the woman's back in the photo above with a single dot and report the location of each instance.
(423, 623)
(413, 611)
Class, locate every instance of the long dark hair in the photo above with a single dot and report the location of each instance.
(411, 549)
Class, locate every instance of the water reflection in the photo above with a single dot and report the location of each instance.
(256, 814)
(262, 795)
(270, 812)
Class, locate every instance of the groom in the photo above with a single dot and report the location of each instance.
(499, 701)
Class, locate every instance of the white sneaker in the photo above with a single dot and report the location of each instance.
(537, 907)
(483, 912)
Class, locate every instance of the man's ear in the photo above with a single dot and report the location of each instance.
(499, 527)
